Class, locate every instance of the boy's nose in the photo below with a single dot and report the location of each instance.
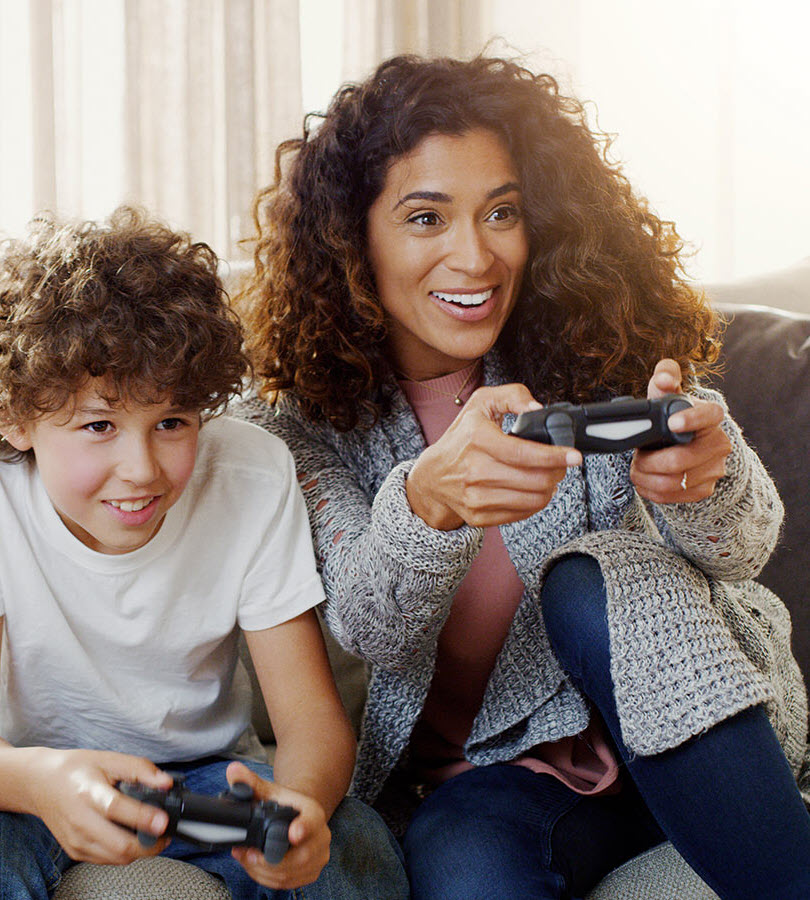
(138, 464)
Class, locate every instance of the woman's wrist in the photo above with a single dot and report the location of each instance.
(432, 512)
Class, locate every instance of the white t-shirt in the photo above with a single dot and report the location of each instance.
(137, 652)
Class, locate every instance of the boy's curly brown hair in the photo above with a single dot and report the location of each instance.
(604, 295)
(129, 300)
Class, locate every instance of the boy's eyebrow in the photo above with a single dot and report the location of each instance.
(106, 410)
(439, 197)
(94, 410)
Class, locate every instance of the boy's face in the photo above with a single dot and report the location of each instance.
(112, 472)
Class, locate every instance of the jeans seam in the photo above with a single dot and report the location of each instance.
(56, 873)
(548, 860)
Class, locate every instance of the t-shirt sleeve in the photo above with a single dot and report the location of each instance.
(282, 581)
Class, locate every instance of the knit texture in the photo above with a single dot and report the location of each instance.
(693, 638)
(658, 874)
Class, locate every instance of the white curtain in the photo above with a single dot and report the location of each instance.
(179, 104)
(175, 104)
(376, 29)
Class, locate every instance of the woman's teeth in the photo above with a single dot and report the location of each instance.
(131, 505)
(464, 299)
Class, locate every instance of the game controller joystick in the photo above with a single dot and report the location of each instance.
(607, 427)
(233, 818)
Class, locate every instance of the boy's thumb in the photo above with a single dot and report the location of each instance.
(238, 772)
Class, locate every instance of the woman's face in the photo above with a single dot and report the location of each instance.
(447, 245)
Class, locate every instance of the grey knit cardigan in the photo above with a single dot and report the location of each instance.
(693, 638)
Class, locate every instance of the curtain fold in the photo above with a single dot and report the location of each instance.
(181, 113)
(212, 86)
(376, 29)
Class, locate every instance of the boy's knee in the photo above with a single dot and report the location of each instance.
(28, 857)
(363, 849)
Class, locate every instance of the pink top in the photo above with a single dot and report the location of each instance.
(473, 634)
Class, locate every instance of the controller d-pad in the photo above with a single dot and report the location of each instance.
(560, 427)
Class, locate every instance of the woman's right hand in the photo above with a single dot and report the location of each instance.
(475, 473)
(73, 792)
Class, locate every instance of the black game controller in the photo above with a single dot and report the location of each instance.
(231, 819)
(619, 424)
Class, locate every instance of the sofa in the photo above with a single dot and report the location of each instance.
(765, 377)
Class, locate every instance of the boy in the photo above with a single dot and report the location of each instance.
(139, 534)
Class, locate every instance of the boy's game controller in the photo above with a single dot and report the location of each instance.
(614, 425)
(230, 819)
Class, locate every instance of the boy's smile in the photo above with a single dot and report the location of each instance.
(112, 472)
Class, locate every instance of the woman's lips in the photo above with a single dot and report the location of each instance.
(467, 306)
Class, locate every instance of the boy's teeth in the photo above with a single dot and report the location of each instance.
(131, 505)
(464, 299)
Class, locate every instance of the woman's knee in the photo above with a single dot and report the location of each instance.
(474, 835)
(574, 606)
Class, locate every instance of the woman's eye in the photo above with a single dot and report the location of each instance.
(504, 213)
(98, 427)
(428, 219)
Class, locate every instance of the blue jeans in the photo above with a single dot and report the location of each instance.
(726, 799)
(365, 860)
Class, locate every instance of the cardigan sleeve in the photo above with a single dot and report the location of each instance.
(389, 578)
(732, 533)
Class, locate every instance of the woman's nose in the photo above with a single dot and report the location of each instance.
(469, 252)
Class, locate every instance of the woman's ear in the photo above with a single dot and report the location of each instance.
(17, 436)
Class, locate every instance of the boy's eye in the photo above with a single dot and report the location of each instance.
(101, 427)
(171, 424)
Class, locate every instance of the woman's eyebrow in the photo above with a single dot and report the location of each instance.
(434, 196)
(439, 197)
(503, 189)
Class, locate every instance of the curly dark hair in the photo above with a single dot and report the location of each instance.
(130, 300)
(604, 295)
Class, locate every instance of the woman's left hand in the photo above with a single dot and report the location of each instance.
(685, 472)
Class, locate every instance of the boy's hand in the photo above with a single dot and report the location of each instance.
(309, 836)
(73, 793)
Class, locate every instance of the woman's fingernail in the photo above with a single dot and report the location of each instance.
(573, 458)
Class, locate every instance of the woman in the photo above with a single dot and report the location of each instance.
(554, 642)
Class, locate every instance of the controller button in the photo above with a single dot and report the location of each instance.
(240, 791)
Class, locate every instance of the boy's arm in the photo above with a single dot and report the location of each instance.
(72, 792)
(316, 746)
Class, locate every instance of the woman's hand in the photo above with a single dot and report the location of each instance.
(477, 474)
(685, 472)
(73, 792)
(309, 836)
